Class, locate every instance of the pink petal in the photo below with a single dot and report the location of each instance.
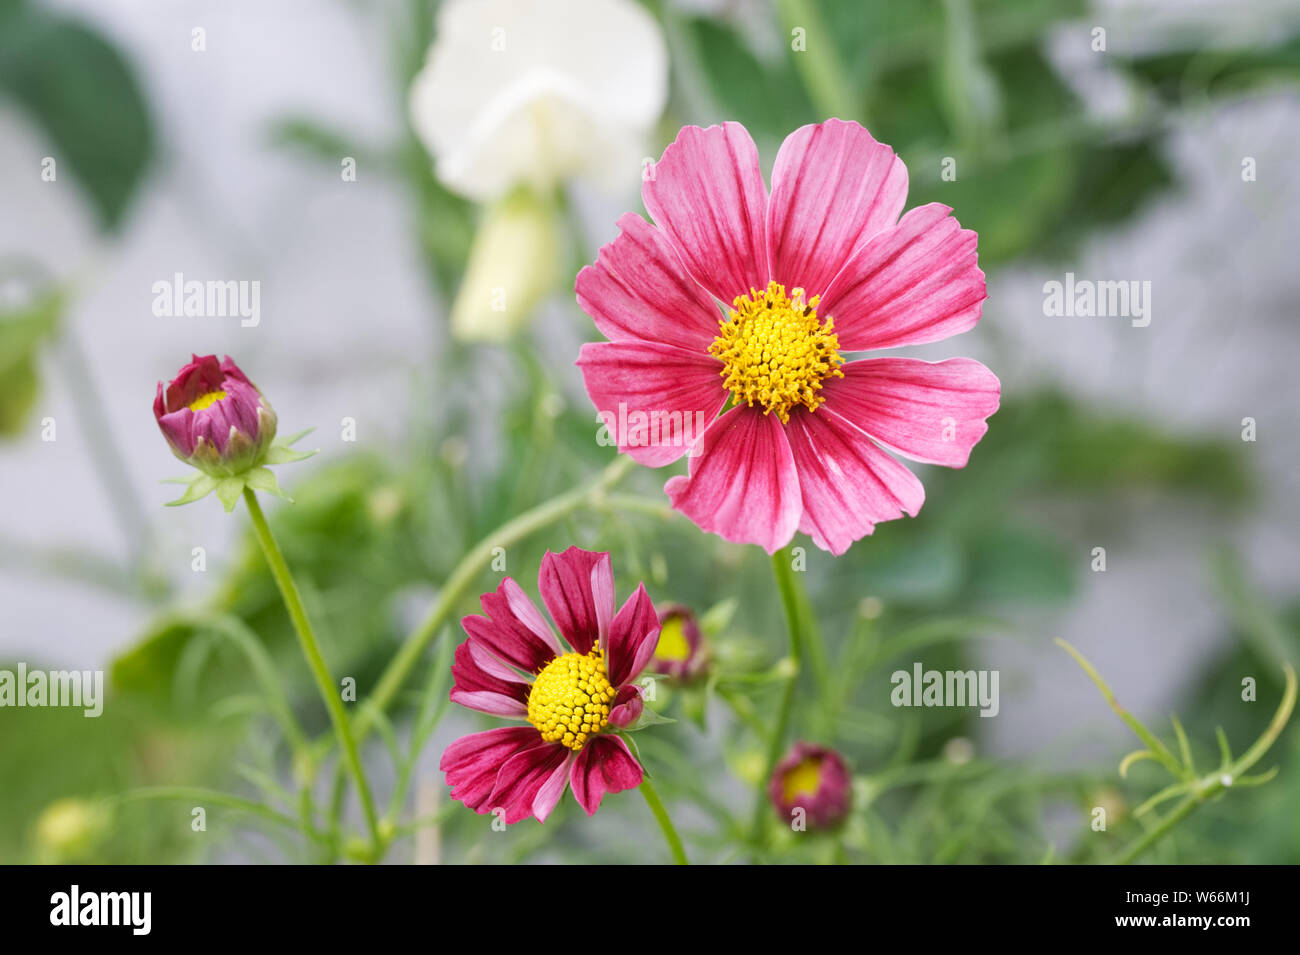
(569, 591)
(849, 483)
(548, 797)
(927, 411)
(472, 762)
(526, 782)
(743, 484)
(633, 637)
(639, 290)
(707, 194)
(655, 400)
(602, 582)
(484, 683)
(628, 705)
(510, 629)
(833, 188)
(604, 765)
(915, 283)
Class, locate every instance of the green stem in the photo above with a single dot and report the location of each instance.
(462, 578)
(786, 584)
(1214, 783)
(665, 823)
(1159, 831)
(320, 670)
(819, 66)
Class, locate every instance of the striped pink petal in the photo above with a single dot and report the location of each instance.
(604, 765)
(638, 290)
(743, 484)
(918, 282)
(849, 484)
(833, 188)
(927, 411)
(530, 783)
(577, 599)
(708, 196)
(472, 762)
(656, 400)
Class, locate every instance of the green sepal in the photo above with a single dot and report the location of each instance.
(648, 717)
(262, 479)
(200, 486)
(229, 489)
(283, 454)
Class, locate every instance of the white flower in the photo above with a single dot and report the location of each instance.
(512, 266)
(532, 92)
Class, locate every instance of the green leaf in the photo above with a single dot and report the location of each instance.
(85, 97)
(22, 332)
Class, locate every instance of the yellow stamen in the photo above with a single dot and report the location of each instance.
(207, 400)
(774, 351)
(804, 780)
(570, 699)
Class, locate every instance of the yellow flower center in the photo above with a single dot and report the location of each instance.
(804, 780)
(775, 352)
(570, 699)
(206, 401)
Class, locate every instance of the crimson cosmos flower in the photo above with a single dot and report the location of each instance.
(820, 267)
(815, 779)
(569, 698)
(214, 418)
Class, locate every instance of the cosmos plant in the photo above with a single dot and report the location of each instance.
(740, 307)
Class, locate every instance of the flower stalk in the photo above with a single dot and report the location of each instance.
(1193, 787)
(789, 589)
(665, 822)
(316, 662)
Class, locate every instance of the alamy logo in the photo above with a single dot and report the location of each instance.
(923, 687)
(103, 908)
(1088, 299)
(78, 688)
(178, 298)
(650, 429)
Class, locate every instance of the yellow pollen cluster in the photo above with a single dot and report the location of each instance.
(206, 401)
(775, 352)
(570, 699)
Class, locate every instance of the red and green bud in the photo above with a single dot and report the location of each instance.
(214, 418)
(814, 779)
(681, 652)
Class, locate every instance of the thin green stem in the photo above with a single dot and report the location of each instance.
(1153, 743)
(1159, 830)
(463, 576)
(1211, 785)
(320, 670)
(665, 823)
(786, 584)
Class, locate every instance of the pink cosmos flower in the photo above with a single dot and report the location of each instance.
(569, 698)
(821, 266)
(214, 418)
(814, 779)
